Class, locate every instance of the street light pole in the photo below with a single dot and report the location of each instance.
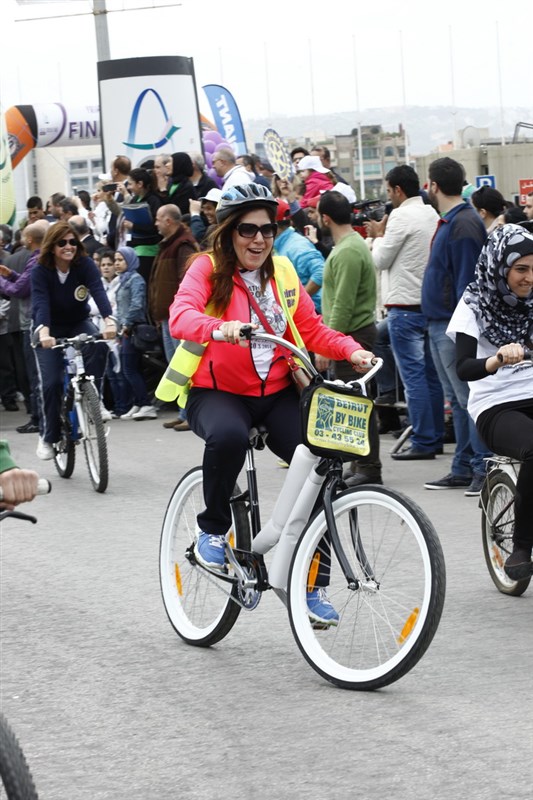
(102, 35)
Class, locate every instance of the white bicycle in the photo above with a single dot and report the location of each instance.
(375, 549)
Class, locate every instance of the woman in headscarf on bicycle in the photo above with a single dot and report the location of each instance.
(493, 327)
(235, 284)
(61, 283)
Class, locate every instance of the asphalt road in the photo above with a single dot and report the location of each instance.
(110, 704)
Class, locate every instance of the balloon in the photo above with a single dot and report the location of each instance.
(223, 145)
(209, 160)
(213, 136)
(209, 146)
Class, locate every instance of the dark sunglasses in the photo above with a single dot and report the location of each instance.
(249, 231)
(64, 242)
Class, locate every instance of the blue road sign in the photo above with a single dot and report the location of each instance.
(486, 180)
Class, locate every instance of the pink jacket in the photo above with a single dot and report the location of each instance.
(317, 182)
(230, 368)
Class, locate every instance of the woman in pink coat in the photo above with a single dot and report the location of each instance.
(317, 178)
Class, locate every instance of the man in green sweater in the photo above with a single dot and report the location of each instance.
(349, 306)
(16, 485)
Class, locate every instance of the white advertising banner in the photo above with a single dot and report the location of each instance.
(148, 106)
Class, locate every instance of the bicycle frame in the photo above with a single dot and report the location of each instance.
(75, 368)
(75, 375)
(324, 472)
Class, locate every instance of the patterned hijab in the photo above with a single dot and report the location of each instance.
(502, 316)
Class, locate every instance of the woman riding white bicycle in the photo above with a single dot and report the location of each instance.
(492, 325)
(61, 283)
(233, 389)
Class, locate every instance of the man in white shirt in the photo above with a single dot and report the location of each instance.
(226, 167)
(401, 247)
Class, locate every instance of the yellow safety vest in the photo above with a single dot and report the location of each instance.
(176, 382)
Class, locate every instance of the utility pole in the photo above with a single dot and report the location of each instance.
(359, 126)
(102, 35)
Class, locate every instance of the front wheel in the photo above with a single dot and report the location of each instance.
(497, 526)
(93, 436)
(64, 449)
(389, 617)
(201, 607)
(15, 776)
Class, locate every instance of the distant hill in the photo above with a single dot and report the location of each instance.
(427, 126)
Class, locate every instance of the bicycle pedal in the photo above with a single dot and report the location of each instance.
(321, 626)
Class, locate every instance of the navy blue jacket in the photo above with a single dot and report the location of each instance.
(455, 248)
(60, 306)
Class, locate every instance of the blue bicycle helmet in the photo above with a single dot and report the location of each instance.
(251, 195)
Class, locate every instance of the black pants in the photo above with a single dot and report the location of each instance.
(507, 429)
(8, 380)
(370, 464)
(223, 421)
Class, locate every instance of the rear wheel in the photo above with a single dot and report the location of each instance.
(64, 449)
(15, 777)
(497, 526)
(93, 436)
(387, 620)
(201, 607)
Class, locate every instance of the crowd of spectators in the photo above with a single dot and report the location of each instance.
(141, 225)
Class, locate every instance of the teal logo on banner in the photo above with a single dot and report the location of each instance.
(168, 131)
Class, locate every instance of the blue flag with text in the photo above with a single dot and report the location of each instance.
(226, 116)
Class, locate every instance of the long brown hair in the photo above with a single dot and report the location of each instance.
(54, 234)
(225, 259)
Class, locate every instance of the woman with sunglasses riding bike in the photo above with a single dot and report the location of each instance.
(492, 325)
(235, 284)
(62, 281)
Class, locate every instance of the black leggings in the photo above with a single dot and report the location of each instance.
(507, 430)
(223, 421)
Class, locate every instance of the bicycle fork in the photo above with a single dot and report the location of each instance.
(353, 583)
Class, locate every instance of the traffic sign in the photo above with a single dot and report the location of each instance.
(525, 186)
(486, 180)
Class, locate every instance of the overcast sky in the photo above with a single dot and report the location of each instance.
(417, 52)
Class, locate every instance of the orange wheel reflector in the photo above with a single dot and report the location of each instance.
(313, 572)
(231, 539)
(409, 625)
(177, 577)
(497, 556)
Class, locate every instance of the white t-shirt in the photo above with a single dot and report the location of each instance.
(509, 383)
(262, 352)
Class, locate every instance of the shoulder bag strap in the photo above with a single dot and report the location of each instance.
(289, 358)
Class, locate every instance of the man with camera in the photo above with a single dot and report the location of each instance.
(115, 192)
(401, 245)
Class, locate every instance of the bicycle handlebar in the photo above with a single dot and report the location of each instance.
(43, 487)
(247, 332)
(528, 355)
(82, 338)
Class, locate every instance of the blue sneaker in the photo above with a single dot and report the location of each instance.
(320, 608)
(209, 550)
